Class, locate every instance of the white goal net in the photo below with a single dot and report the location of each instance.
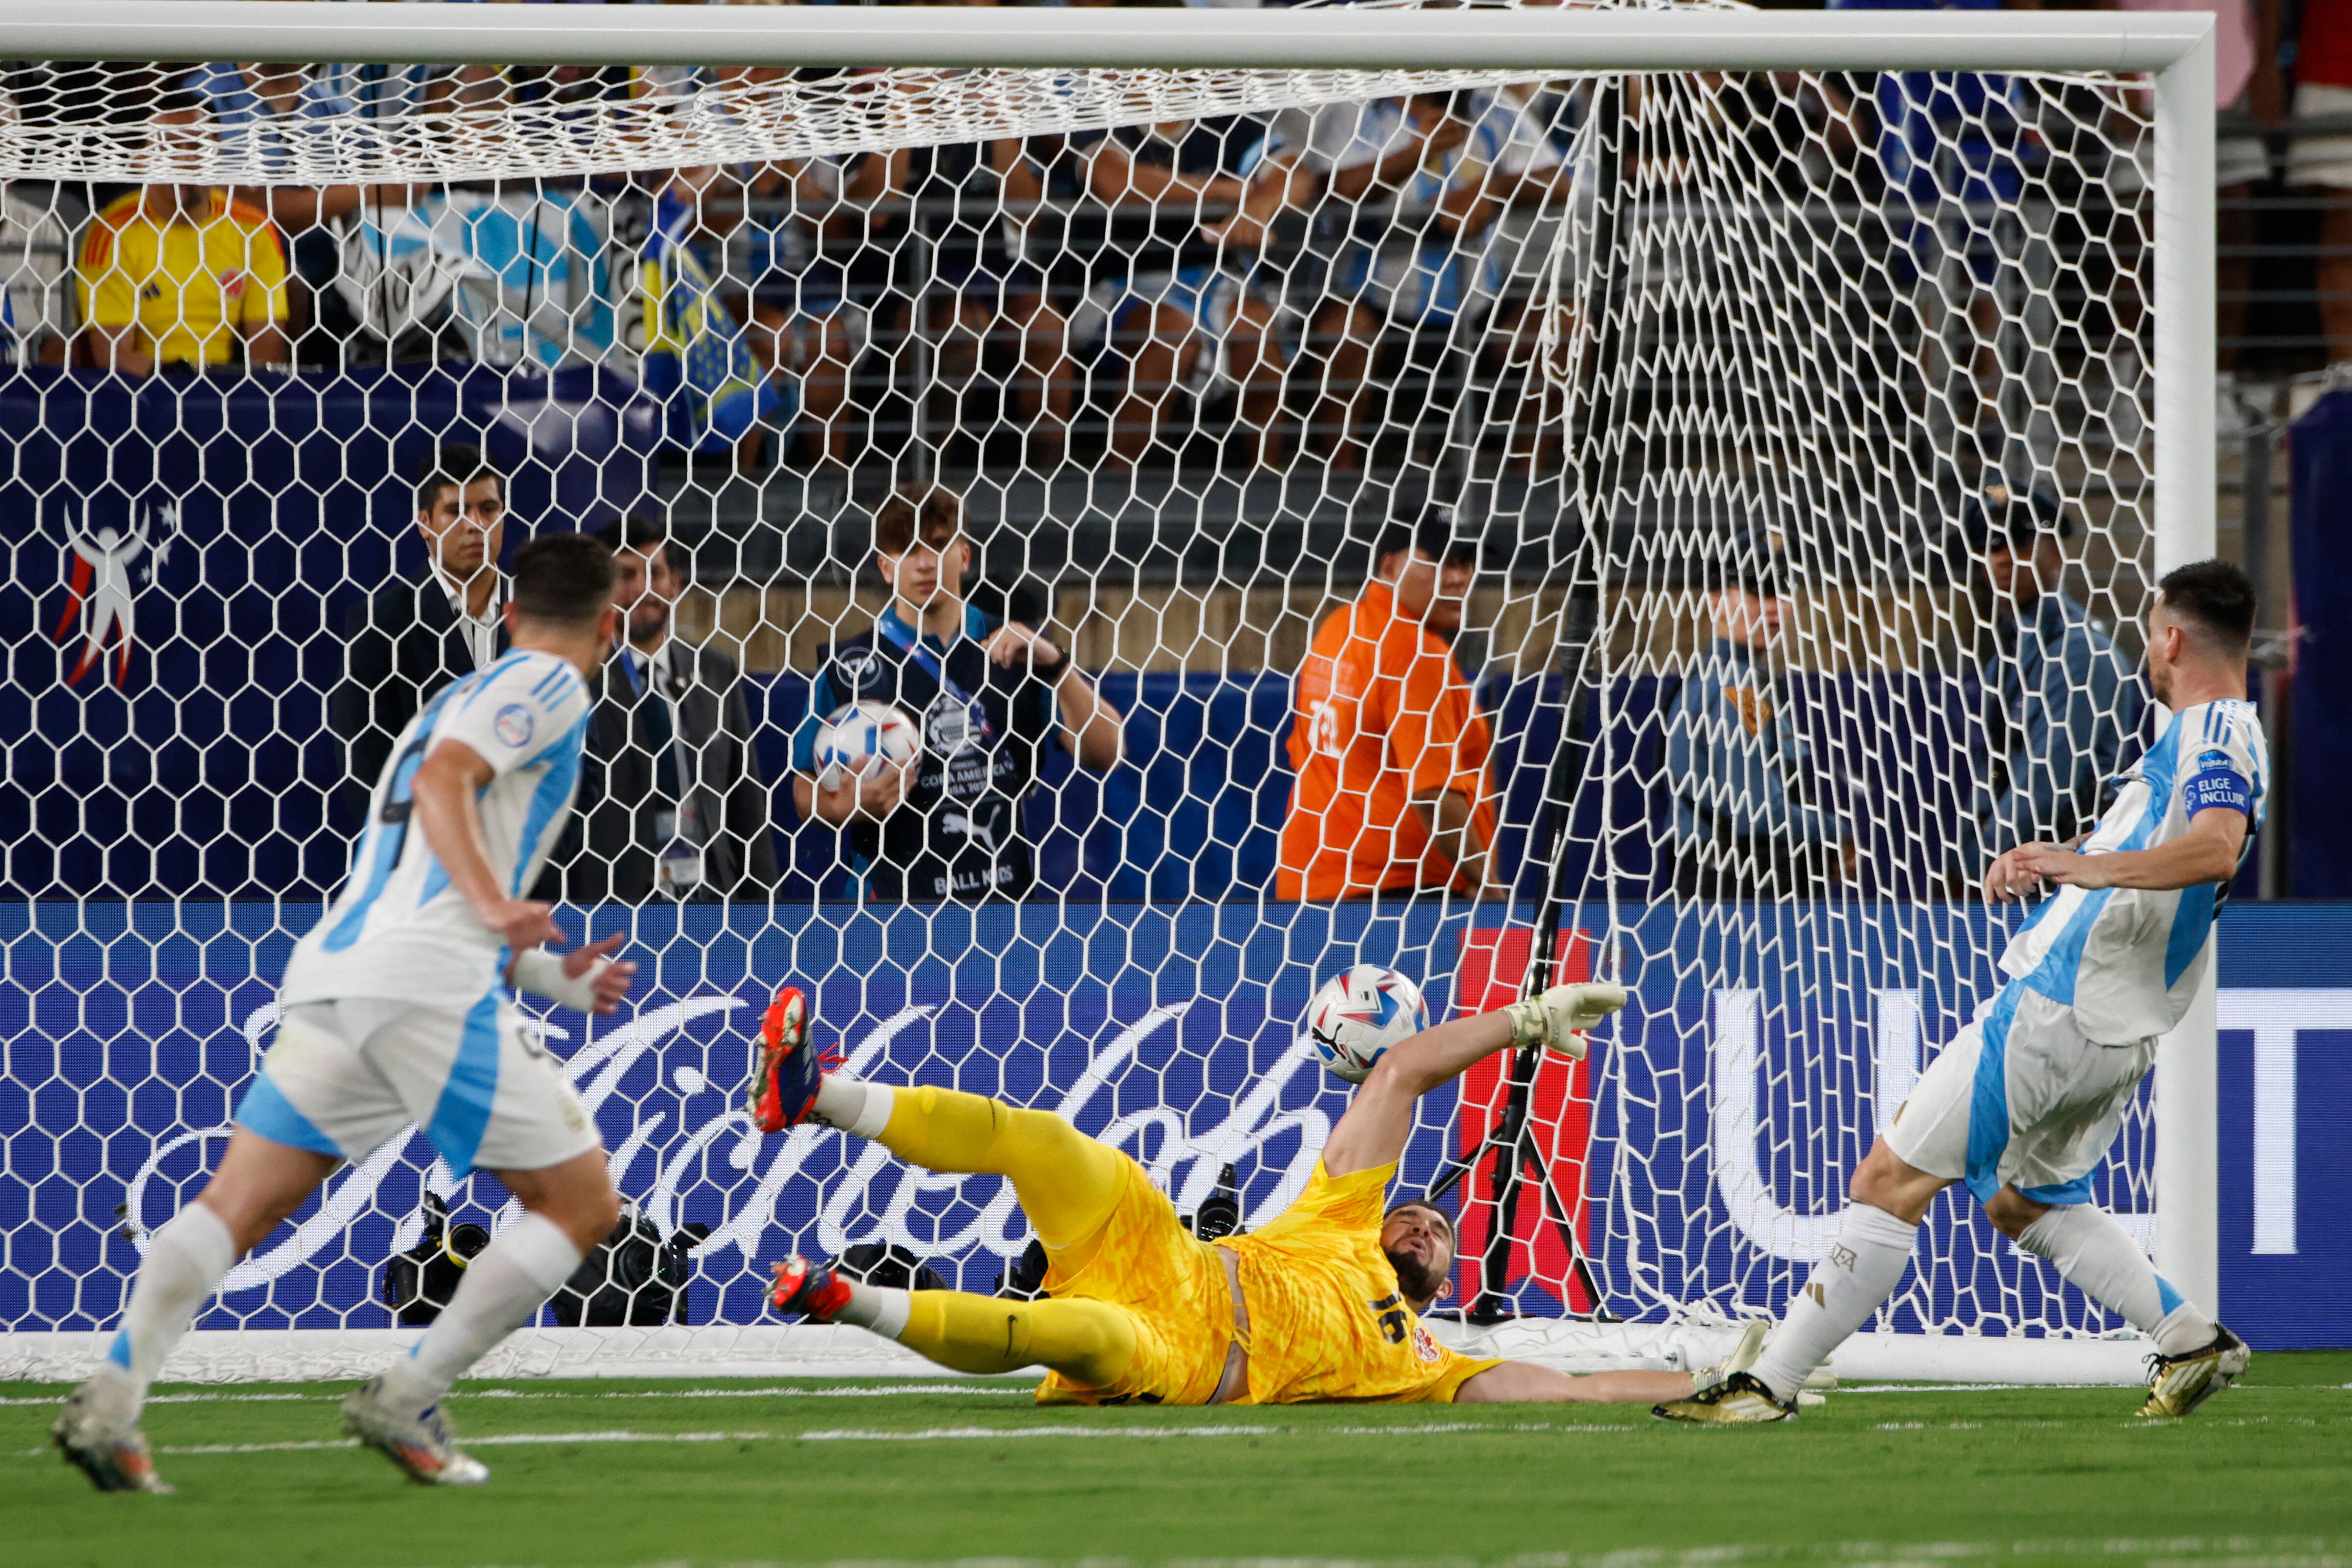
(1781, 444)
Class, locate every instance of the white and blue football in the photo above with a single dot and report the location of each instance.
(1359, 1014)
(858, 738)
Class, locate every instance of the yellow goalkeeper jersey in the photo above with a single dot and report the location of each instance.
(1327, 1320)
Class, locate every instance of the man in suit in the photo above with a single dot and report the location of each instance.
(411, 639)
(672, 803)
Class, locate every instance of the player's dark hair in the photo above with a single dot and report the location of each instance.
(934, 516)
(636, 531)
(563, 578)
(2215, 597)
(452, 466)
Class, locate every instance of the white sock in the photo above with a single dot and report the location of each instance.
(1865, 1265)
(501, 1290)
(187, 1257)
(2092, 1251)
(877, 1307)
(861, 1109)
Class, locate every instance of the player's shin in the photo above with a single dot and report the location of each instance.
(1864, 1266)
(186, 1259)
(2098, 1257)
(1090, 1343)
(501, 1290)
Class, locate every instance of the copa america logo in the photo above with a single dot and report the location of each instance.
(98, 588)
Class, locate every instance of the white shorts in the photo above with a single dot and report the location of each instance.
(484, 1090)
(2320, 160)
(2019, 1098)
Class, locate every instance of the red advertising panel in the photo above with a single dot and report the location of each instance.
(1494, 970)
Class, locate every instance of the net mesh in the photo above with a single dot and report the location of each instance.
(1752, 400)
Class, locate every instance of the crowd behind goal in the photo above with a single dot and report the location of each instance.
(1331, 322)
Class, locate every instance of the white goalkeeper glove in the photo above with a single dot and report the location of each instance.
(541, 973)
(1557, 1020)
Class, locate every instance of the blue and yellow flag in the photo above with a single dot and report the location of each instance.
(697, 358)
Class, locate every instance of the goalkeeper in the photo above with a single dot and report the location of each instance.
(1323, 1303)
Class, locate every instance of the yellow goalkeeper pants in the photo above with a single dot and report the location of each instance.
(1068, 1184)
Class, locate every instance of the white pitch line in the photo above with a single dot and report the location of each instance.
(959, 1434)
(850, 1391)
(920, 1435)
(854, 1391)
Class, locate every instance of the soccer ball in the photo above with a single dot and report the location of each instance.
(853, 739)
(1359, 1014)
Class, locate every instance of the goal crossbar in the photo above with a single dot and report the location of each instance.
(1306, 38)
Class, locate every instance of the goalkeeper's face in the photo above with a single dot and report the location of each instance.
(1419, 1243)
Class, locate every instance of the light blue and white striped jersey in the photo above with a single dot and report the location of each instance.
(2128, 960)
(398, 930)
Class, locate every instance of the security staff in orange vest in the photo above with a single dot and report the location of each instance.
(1391, 750)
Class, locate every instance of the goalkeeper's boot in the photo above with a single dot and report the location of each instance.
(2179, 1383)
(807, 1288)
(1557, 1020)
(1741, 1398)
(100, 1437)
(421, 1444)
(783, 1086)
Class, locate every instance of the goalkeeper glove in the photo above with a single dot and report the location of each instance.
(1557, 1018)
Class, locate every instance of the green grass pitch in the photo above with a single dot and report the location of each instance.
(709, 1471)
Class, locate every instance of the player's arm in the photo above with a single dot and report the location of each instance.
(1380, 1119)
(2207, 853)
(1525, 1382)
(443, 793)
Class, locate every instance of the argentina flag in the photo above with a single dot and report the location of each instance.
(509, 278)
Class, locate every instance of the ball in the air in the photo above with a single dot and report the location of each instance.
(1359, 1014)
(857, 737)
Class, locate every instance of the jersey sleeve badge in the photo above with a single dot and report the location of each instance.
(514, 725)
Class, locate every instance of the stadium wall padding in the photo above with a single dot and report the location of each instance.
(2319, 851)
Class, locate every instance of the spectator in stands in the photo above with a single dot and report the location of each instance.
(1175, 314)
(671, 800)
(813, 279)
(970, 201)
(1428, 177)
(254, 105)
(1393, 796)
(2323, 90)
(1748, 823)
(2059, 702)
(987, 698)
(409, 640)
(36, 279)
(181, 276)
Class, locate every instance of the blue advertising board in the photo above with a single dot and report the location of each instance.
(1723, 1113)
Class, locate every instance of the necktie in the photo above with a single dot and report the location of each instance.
(656, 730)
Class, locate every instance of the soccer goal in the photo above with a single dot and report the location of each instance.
(1728, 358)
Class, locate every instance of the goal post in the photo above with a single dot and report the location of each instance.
(1708, 345)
